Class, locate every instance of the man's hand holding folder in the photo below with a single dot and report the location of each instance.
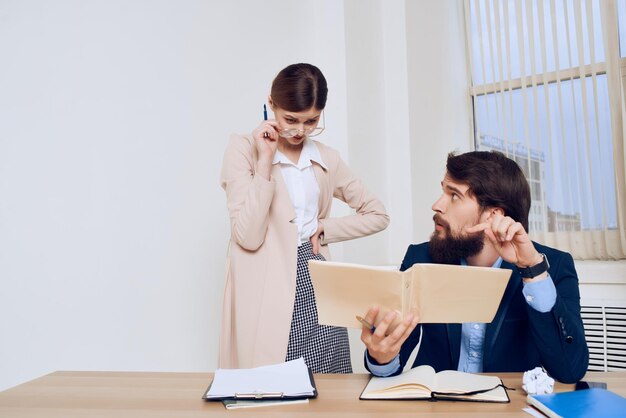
(396, 301)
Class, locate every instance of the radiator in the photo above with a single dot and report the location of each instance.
(605, 332)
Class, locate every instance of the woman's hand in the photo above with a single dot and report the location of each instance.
(266, 139)
(316, 238)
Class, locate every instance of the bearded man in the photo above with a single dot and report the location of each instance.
(481, 219)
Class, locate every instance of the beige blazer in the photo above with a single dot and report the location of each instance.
(261, 263)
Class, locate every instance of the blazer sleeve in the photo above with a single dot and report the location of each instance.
(559, 335)
(248, 196)
(370, 216)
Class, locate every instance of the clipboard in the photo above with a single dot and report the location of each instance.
(262, 396)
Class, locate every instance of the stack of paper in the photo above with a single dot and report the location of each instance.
(256, 403)
(287, 380)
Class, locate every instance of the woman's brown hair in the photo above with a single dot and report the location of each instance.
(299, 87)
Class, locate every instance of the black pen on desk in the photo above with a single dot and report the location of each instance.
(371, 327)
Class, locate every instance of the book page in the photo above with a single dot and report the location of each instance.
(452, 381)
(344, 290)
(414, 383)
(457, 294)
(461, 382)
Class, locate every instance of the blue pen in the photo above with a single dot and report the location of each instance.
(366, 324)
(265, 135)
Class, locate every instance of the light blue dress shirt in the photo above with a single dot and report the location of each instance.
(540, 295)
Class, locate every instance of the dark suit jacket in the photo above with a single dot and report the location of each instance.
(519, 338)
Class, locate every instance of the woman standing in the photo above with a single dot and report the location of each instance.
(279, 186)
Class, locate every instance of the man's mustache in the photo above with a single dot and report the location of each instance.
(438, 219)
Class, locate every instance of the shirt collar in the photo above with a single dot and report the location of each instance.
(496, 265)
(310, 153)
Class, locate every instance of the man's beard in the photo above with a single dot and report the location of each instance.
(451, 249)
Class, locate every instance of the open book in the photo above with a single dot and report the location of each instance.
(438, 293)
(423, 383)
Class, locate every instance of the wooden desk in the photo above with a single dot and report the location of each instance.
(126, 394)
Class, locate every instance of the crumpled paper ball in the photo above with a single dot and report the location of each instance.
(537, 382)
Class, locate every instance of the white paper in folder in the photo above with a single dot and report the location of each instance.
(438, 293)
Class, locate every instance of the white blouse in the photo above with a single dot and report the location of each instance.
(302, 186)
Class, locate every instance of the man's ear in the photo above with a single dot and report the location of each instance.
(489, 212)
(270, 102)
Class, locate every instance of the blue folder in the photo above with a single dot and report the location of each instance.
(592, 403)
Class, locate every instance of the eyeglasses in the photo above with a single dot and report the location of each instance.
(290, 133)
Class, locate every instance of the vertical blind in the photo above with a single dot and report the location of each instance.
(548, 91)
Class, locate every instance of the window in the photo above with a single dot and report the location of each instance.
(542, 75)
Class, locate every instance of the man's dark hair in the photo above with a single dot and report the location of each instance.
(494, 180)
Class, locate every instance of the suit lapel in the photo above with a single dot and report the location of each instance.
(493, 328)
(283, 202)
(323, 183)
(454, 338)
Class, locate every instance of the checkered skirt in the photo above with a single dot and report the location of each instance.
(325, 349)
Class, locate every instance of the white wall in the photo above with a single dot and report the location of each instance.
(114, 116)
(440, 112)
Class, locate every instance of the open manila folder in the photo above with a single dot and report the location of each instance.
(438, 293)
